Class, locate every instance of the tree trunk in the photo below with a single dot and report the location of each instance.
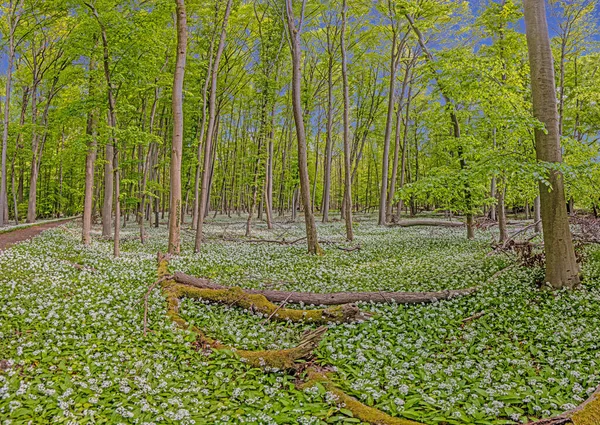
(90, 161)
(328, 136)
(501, 214)
(388, 130)
(13, 21)
(347, 161)
(206, 170)
(562, 269)
(309, 219)
(177, 142)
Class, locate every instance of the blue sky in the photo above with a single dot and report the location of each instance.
(475, 4)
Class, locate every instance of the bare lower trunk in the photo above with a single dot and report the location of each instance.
(388, 131)
(562, 269)
(90, 161)
(501, 215)
(116, 247)
(177, 141)
(537, 215)
(207, 168)
(347, 160)
(309, 219)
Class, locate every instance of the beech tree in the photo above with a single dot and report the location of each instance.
(175, 206)
(562, 270)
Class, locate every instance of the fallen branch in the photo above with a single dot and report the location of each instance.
(256, 302)
(518, 232)
(285, 359)
(440, 223)
(473, 317)
(275, 311)
(334, 298)
(350, 249)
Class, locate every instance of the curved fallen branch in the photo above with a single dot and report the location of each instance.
(334, 298)
(440, 223)
(285, 359)
(359, 410)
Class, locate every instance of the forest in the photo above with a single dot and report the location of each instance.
(300, 212)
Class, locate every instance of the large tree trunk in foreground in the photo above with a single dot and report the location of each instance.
(309, 218)
(562, 270)
(177, 142)
(334, 298)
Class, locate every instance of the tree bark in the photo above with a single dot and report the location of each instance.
(347, 160)
(90, 161)
(13, 20)
(309, 219)
(562, 269)
(206, 170)
(388, 130)
(177, 142)
(334, 298)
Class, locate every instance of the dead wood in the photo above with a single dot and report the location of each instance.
(334, 298)
(439, 223)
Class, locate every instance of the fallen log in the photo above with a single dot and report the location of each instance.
(334, 298)
(440, 223)
(258, 303)
(285, 359)
(359, 410)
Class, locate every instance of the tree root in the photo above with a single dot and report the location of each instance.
(334, 298)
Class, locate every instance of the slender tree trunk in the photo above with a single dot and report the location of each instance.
(13, 20)
(392, 191)
(501, 214)
(347, 161)
(269, 175)
(90, 161)
(562, 269)
(177, 142)
(309, 219)
(388, 131)
(206, 170)
(328, 138)
(112, 160)
(196, 204)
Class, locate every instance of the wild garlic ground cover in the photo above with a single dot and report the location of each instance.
(73, 343)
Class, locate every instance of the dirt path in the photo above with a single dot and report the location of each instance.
(11, 238)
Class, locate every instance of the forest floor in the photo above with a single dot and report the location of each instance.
(72, 348)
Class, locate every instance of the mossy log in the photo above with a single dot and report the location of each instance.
(334, 298)
(285, 359)
(359, 410)
(438, 223)
(260, 304)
